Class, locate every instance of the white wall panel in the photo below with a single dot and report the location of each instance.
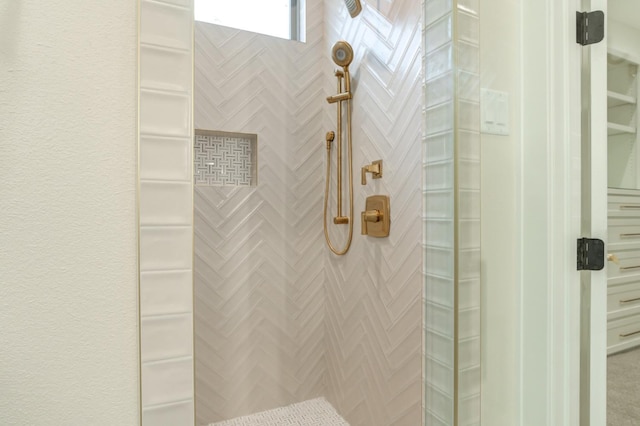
(166, 212)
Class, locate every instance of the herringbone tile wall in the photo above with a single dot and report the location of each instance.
(259, 276)
(374, 293)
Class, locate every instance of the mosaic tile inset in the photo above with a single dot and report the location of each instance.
(222, 160)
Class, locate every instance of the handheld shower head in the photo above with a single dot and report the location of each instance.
(354, 7)
(342, 54)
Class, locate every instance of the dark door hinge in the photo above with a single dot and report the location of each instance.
(589, 27)
(590, 254)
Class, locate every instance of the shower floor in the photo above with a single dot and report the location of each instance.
(315, 412)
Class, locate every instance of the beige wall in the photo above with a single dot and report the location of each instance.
(68, 268)
(500, 70)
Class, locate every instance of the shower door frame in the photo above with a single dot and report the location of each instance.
(549, 216)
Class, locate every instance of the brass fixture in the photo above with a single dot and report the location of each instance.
(376, 219)
(354, 7)
(374, 168)
(329, 138)
(342, 54)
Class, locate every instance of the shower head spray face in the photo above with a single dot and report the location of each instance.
(354, 7)
(342, 53)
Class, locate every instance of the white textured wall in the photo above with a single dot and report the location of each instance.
(500, 70)
(68, 267)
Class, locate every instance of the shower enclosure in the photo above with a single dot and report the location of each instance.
(388, 333)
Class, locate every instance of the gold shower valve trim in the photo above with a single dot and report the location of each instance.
(376, 219)
(374, 168)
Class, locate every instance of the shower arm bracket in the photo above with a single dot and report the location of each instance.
(344, 96)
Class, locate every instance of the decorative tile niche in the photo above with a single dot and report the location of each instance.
(225, 159)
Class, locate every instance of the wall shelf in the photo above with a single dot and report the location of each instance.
(615, 99)
(623, 153)
(614, 129)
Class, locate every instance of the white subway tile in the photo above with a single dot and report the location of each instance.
(440, 404)
(469, 323)
(166, 203)
(165, 25)
(469, 264)
(439, 261)
(469, 293)
(468, 27)
(165, 69)
(469, 231)
(469, 6)
(439, 204)
(164, 382)
(469, 409)
(469, 204)
(165, 248)
(469, 115)
(439, 233)
(469, 86)
(435, 9)
(432, 419)
(438, 176)
(438, 33)
(469, 145)
(439, 61)
(439, 348)
(181, 3)
(440, 376)
(164, 337)
(468, 57)
(439, 147)
(440, 319)
(469, 174)
(165, 158)
(180, 414)
(469, 353)
(439, 90)
(439, 290)
(440, 119)
(165, 114)
(166, 292)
